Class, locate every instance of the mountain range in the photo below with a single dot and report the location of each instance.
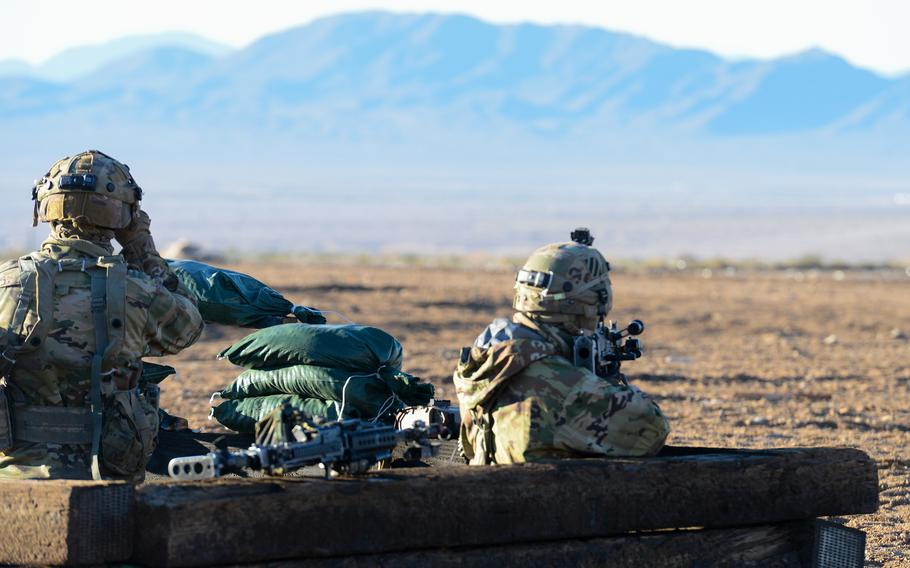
(420, 102)
(544, 78)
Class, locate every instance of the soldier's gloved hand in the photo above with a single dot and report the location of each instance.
(136, 240)
(140, 252)
(171, 282)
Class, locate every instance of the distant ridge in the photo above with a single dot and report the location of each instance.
(545, 79)
(84, 60)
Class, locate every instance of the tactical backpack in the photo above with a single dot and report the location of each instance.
(27, 330)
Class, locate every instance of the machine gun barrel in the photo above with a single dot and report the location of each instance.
(349, 447)
(212, 464)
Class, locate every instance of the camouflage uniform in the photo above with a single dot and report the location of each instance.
(55, 373)
(521, 397)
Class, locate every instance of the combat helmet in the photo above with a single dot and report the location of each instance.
(570, 279)
(90, 187)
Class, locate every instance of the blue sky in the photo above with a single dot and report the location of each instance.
(870, 33)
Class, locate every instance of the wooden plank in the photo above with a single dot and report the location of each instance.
(65, 522)
(230, 521)
(783, 545)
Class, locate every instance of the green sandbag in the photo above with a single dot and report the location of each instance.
(359, 348)
(231, 298)
(154, 373)
(366, 393)
(242, 415)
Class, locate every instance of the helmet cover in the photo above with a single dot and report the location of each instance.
(565, 278)
(91, 187)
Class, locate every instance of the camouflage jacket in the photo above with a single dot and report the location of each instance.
(157, 322)
(522, 400)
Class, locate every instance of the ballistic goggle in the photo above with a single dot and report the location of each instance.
(534, 278)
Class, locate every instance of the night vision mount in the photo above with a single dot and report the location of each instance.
(582, 236)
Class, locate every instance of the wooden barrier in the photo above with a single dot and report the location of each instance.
(65, 522)
(753, 507)
(782, 545)
(237, 521)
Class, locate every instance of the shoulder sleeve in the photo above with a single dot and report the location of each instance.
(9, 294)
(174, 322)
(9, 265)
(606, 418)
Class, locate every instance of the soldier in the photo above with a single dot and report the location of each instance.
(75, 323)
(523, 399)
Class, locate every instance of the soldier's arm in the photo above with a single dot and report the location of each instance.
(606, 418)
(174, 322)
(140, 252)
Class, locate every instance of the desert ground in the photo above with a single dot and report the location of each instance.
(735, 358)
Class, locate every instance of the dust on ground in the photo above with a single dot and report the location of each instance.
(755, 360)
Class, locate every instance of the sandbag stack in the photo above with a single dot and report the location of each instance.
(321, 370)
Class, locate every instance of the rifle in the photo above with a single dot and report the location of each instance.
(347, 447)
(604, 350)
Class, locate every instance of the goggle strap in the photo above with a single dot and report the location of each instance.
(575, 291)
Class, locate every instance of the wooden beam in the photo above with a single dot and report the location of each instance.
(783, 545)
(65, 522)
(233, 521)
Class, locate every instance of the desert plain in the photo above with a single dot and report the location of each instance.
(735, 358)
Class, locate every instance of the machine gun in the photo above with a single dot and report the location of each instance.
(604, 350)
(443, 419)
(346, 447)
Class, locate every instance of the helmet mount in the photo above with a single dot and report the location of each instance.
(582, 236)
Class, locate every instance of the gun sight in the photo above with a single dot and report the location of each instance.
(603, 351)
(636, 327)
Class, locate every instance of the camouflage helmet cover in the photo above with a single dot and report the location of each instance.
(91, 186)
(565, 278)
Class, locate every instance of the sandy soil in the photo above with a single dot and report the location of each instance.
(735, 360)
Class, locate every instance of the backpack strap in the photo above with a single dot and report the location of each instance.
(44, 297)
(108, 286)
(115, 306)
(99, 297)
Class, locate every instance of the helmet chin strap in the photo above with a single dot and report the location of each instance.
(602, 298)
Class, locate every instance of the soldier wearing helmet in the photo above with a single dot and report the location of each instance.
(76, 321)
(523, 398)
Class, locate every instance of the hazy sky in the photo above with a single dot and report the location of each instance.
(871, 33)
